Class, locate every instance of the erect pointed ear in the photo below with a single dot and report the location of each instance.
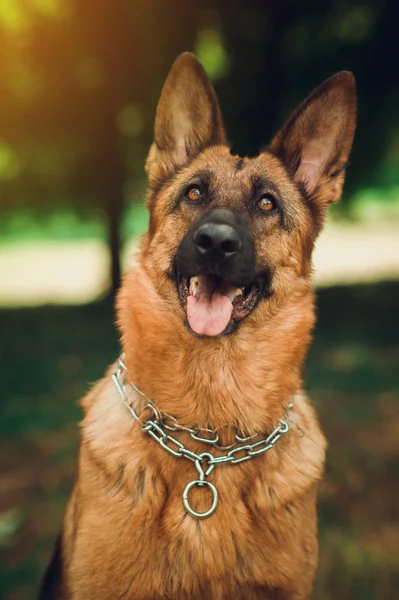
(315, 142)
(188, 119)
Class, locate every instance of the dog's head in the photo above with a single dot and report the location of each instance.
(227, 233)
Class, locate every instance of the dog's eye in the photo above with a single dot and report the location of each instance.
(267, 203)
(193, 194)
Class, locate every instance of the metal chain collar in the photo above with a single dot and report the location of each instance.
(205, 462)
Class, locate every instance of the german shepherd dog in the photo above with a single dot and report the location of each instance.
(200, 454)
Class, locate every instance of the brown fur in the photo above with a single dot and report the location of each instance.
(126, 533)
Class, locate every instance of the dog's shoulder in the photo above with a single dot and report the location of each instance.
(304, 456)
(108, 432)
(304, 420)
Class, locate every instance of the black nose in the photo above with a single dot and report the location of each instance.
(217, 238)
(218, 244)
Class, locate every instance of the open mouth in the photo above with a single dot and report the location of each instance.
(213, 306)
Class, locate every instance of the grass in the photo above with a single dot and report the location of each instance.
(65, 224)
(352, 377)
(51, 354)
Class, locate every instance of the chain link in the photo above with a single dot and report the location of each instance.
(156, 426)
(205, 462)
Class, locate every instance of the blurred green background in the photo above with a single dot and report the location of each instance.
(79, 82)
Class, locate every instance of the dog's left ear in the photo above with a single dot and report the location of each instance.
(188, 119)
(315, 142)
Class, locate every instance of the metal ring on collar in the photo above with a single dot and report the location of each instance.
(243, 439)
(187, 506)
(157, 415)
(224, 448)
(199, 438)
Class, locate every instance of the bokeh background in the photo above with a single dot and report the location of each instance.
(79, 81)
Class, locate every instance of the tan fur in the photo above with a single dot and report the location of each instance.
(126, 533)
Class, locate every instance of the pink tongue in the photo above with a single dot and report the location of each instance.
(208, 313)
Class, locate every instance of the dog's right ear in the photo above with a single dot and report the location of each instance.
(315, 142)
(188, 119)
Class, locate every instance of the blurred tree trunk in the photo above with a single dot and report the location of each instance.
(114, 219)
(112, 177)
(112, 41)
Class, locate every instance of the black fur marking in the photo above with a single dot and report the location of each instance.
(239, 165)
(290, 508)
(171, 274)
(51, 587)
(120, 474)
(140, 485)
(240, 561)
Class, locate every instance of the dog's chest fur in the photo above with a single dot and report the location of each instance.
(129, 495)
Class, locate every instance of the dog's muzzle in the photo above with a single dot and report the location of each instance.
(216, 273)
(219, 245)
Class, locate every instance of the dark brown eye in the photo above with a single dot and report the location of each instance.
(267, 203)
(193, 194)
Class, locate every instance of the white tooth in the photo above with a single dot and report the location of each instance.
(238, 292)
(193, 286)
